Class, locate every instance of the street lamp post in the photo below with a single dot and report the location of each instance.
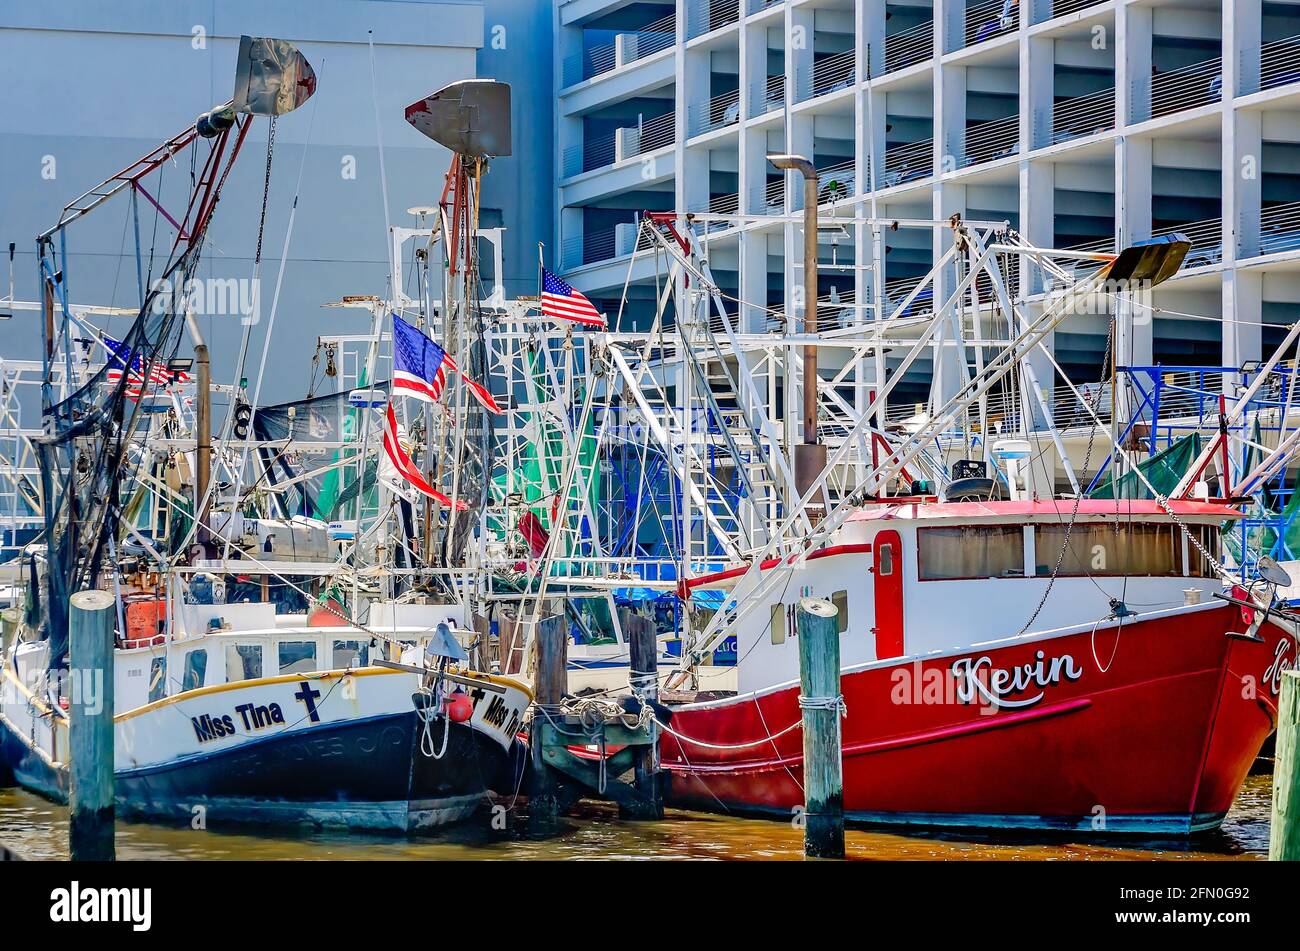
(810, 455)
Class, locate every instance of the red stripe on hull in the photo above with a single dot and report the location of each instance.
(1167, 727)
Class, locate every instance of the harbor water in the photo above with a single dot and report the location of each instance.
(38, 829)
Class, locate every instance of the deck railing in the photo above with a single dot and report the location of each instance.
(1279, 228)
(727, 204)
(995, 139)
(828, 74)
(647, 41)
(768, 198)
(837, 181)
(656, 133)
(590, 247)
(909, 47)
(988, 19)
(898, 289)
(1061, 8)
(1187, 87)
(767, 95)
(1083, 115)
(1077, 268)
(1279, 62)
(601, 151)
(705, 16)
(591, 154)
(1206, 236)
(722, 110)
(908, 162)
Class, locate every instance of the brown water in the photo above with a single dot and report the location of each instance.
(38, 829)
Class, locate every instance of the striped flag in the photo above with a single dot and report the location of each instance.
(420, 368)
(482, 394)
(561, 301)
(401, 461)
(121, 363)
(419, 365)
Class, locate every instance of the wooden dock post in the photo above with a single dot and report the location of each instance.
(644, 679)
(548, 691)
(90, 726)
(1284, 829)
(823, 771)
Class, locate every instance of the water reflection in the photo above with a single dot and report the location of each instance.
(38, 829)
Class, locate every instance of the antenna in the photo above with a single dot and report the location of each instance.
(12, 246)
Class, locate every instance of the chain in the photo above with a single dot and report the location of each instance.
(266, 191)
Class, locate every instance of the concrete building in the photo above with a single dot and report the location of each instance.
(91, 87)
(1081, 123)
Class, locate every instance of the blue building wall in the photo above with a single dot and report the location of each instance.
(90, 87)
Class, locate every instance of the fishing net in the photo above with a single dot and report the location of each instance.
(320, 479)
(84, 453)
(1164, 471)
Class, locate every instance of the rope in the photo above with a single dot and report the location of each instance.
(1093, 644)
(824, 703)
(431, 713)
(728, 746)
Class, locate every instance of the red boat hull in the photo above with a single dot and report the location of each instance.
(1150, 728)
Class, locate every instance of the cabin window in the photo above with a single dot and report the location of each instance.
(970, 551)
(777, 624)
(297, 657)
(158, 678)
(885, 559)
(841, 601)
(243, 662)
(196, 667)
(1110, 548)
(1208, 536)
(349, 654)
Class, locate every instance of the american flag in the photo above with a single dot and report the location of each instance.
(420, 368)
(419, 365)
(561, 301)
(405, 467)
(121, 361)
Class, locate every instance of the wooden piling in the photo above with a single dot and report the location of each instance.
(823, 773)
(1284, 830)
(549, 687)
(90, 726)
(644, 674)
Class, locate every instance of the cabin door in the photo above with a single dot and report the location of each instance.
(887, 567)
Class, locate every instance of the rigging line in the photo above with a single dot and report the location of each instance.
(1183, 316)
(279, 282)
(153, 237)
(247, 335)
(627, 281)
(1160, 499)
(1078, 499)
(383, 175)
(117, 273)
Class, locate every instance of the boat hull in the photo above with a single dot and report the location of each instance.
(348, 750)
(1146, 728)
(356, 774)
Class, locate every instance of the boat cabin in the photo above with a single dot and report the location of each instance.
(217, 644)
(912, 578)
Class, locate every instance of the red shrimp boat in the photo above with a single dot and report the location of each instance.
(1134, 700)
